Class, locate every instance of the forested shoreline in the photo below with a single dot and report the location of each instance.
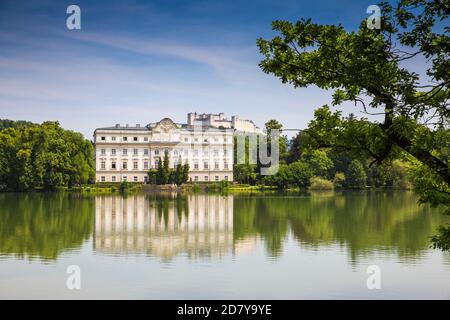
(43, 156)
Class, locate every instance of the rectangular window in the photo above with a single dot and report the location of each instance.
(196, 178)
(125, 152)
(135, 138)
(206, 178)
(195, 165)
(145, 179)
(135, 165)
(217, 178)
(113, 178)
(103, 138)
(124, 165)
(113, 152)
(216, 153)
(146, 152)
(225, 178)
(145, 138)
(102, 165)
(113, 165)
(216, 165)
(205, 165)
(225, 165)
(103, 152)
(156, 152)
(125, 138)
(124, 178)
(135, 178)
(145, 165)
(225, 152)
(135, 152)
(103, 179)
(113, 138)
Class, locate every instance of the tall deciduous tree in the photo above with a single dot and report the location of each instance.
(44, 156)
(367, 67)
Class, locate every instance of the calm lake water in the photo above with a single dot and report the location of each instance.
(220, 247)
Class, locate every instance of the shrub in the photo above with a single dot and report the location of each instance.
(339, 180)
(318, 183)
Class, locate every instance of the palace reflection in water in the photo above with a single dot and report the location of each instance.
(209, 246)
(195, 225)
(47, 225)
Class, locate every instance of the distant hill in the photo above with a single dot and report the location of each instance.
(6, 123)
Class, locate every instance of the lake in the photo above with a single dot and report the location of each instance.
(203, 246)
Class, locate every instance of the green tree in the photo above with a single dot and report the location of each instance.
(367, 67)
(152, 176)
(319, 162)
(296, 174)
(160, 174)
(6, 123)
(186, 172)
(355, 176)
(294, 148)
(166, 171)
(245, 173)
(300, 174)
(179, 173)
(44, 156)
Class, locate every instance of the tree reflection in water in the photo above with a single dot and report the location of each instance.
(38, 225)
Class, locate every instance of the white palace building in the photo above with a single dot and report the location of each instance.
(126, 153)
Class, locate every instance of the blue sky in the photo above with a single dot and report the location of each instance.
(138, 61)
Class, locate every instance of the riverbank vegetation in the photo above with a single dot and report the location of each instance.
(43, 156)
(305, 164)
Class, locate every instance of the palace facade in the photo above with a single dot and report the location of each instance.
(126, 153)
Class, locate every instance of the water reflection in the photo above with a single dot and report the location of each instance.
(360, 222)
(44, 225)
(200, 226)
(197, 225)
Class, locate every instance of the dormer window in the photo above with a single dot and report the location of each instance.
(135, 138)
(103, 138)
